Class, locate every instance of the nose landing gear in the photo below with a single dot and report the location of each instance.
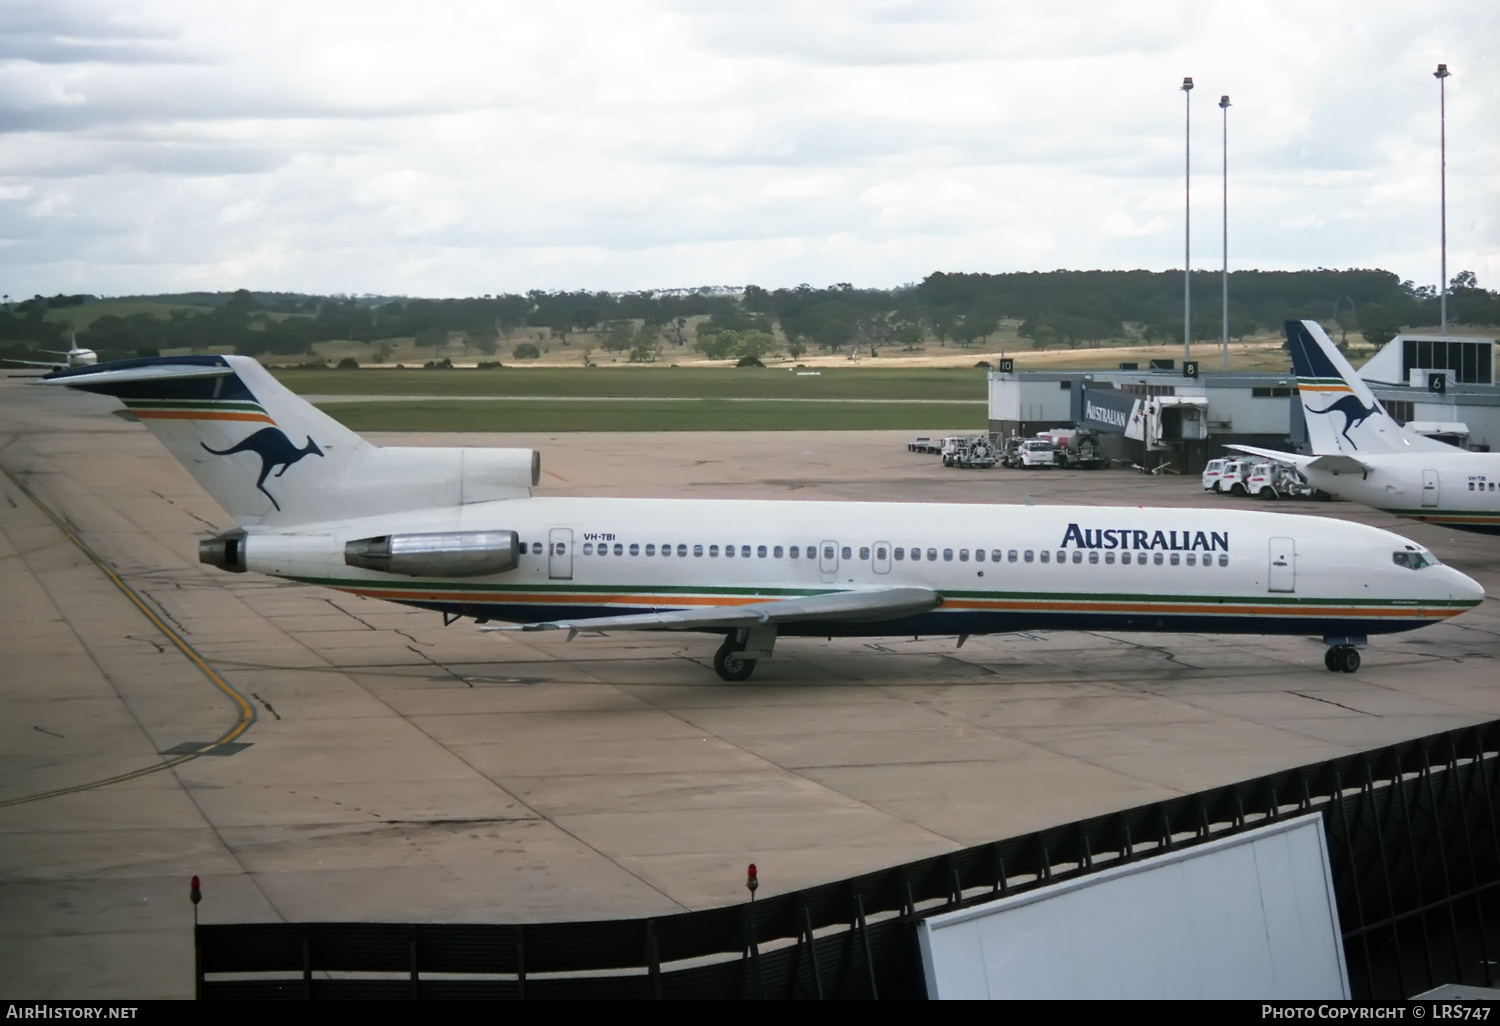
(1342, 656)
(1343, 659)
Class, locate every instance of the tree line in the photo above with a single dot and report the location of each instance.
(1052, 308)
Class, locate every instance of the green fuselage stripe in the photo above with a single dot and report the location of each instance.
(500, 591)
(1429, 512)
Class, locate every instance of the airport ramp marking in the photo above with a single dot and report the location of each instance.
(246, 710)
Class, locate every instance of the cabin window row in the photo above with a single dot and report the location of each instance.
(1481, 486)
(1045, 556)
(900, 553)
(728, 552)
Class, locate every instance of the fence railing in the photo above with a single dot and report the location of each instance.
(1413, 843)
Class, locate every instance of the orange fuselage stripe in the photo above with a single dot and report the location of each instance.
(199, 415)
(1013, 605)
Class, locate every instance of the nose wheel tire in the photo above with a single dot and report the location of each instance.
(1342, 659)
(730, 664)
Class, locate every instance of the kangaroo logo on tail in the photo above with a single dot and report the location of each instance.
(275, 449)
(1355, 413)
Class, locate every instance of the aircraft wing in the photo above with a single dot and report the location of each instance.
(842, 606)
(53, 364)
(1340, 465)
(1331, 464)
(1289, 458)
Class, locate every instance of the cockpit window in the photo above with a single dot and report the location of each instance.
(1411, 559)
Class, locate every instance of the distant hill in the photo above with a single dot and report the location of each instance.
(1045, 308)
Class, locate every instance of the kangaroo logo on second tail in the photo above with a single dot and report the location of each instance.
(1355, 413)
(275, 449)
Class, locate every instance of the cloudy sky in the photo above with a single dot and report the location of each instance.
(461, 148)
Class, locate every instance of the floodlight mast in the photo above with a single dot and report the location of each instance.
(1441, 74)
(1224, 338)
(1187, 222)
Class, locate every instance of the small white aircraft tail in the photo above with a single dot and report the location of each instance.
(267, 456)
(1343, 416)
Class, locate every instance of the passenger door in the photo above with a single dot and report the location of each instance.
(1429, 488)
(560, 554)
(1283, 576)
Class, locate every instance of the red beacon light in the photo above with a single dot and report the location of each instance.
(196, 892)
(752, 881)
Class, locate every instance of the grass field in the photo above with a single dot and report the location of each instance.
(659, 415)
(80, 317)
(649, 383)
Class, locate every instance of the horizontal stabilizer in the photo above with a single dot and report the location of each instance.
(841, 606)
(94, 379)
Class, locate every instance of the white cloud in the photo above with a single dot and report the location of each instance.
(466, 147)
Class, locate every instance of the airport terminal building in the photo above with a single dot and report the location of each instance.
(1181, 415)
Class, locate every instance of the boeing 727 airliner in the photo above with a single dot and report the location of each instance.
(1361, 454)
(457, 530)
(74, 356)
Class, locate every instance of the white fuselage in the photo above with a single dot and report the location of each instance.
(1457, 488)
(997, 567)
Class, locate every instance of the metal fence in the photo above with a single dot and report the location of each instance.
(1413, 844)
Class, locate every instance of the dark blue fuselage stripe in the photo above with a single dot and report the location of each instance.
(986, 621)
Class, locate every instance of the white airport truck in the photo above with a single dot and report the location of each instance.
(1035, 454)
(1076, 449)
(1277, 481)
(1213, 474)
(1235, 476)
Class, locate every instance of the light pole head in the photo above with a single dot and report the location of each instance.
(1224, 102)
(1187, 84)
(1441, 72)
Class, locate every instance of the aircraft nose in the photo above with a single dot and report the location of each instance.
(1466, 589)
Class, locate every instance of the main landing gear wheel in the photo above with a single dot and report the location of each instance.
(730, 665)
(1342, 659)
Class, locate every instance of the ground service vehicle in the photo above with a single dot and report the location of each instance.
(1273, 480)
(1037, 453)
(977, 451)
(1010, 452)
(1212, 474)
(1077, 449)
(1233, 477)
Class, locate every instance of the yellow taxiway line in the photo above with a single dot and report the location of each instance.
(246, 710)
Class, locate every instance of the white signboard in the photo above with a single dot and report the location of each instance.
(1249, 917)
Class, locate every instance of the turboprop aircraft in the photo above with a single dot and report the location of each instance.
(458, 531)
(1361, 454)
(76, 356)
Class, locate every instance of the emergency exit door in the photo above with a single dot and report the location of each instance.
(560, 554)
(1283, 576)
(828, 560)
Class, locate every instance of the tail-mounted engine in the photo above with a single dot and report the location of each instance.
(449, 554)
(227, 552)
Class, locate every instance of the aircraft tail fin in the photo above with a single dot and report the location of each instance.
(1343, 416)
(269, 457)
